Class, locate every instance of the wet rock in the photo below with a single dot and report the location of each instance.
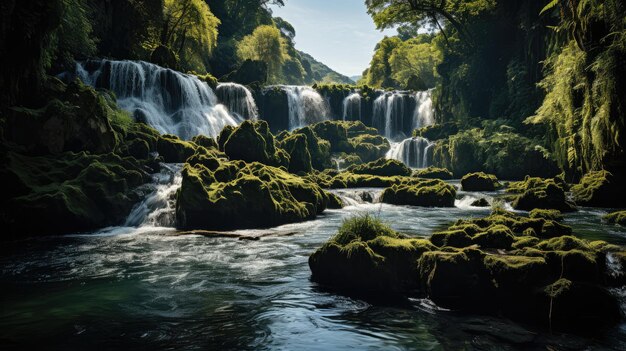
(427, 193)
(434, 173)
(382, 167)
(538, 193)
(482, 202)
(599, 189)
(479, 182)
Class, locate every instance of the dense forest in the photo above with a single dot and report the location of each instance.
(177, 173)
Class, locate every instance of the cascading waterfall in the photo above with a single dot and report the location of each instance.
(238, 99)
(306, 106)
(413, 152)
(158, 208)
(170, 101)
(352, 107)
(397, 113)
(424, 114)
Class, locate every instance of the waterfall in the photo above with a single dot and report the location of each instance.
(424, 114)
(397, 113)
(413, 152)
(238, 99)
(170, 101)
(352, 107)
(306, 106)
(158, 208)
(389, 109)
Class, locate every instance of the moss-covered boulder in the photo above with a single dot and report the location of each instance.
(479, 182)
(482, 202)
(75, 119)
(334, 201)
(318, 148)
(553, 215)
(618, 217)
(382, 167)
(494, 264)
(227, 195)
(299, 156)
(437, 131)
(175, 150)
(67, 193)
(253, 142)
(205, 141)
(426, 193)
(434, 173)
(599, 189)
(367, 257)
(538, 193)
(370, 147)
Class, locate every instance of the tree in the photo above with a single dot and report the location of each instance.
(415, 58)
(427, 13)
(190, 30)
(265, 44)
(379, 74)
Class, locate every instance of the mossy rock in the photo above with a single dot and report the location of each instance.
(580, 307)
(437, 131)
(495, 237)
(537, 193)
(75, 119)
(174, 150)
(205, 141)
(618, 217)
(252, 142)
(299, 156)
(68, 192)
(382, 167)
(334, 202)
(238, 195)
(434, 173)
(599, 189)
(553, 215)
(482, 202)
(367, 257)
(427, 193)
(479, 182)
(318, 148)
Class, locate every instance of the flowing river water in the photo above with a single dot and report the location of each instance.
(148, 287)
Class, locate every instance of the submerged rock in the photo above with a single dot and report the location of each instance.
(479, 182)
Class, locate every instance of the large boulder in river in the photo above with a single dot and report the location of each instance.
(538, 193)
(225, 195)
(382, 167)
(479, 181)
(252, 142)
(425, 193)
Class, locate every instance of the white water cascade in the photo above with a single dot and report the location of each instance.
(413, 152)
(352, 107)
(424, 114)
(170, 101)
(158, 208)
(238, 99)
(397, 113)
(306, 106)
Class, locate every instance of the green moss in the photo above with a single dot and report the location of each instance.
(174, 150)
(537, 193)
(525, 241)
(553, 215)
(434, 173)
(382, 167)
(252, 142)
(427, 193)
(495, 237)
(599, 189)
(437, 131)
(479, 182)
(205, 141)
(240, 195)
(334, 202)
(318, 148)
(618, 217)
(299, 156)
(451, 238)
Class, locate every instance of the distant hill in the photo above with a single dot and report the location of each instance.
(356, 78)
(320, 73)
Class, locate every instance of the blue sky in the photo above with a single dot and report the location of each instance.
(338, 33)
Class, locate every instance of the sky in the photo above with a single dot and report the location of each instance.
(338, 33)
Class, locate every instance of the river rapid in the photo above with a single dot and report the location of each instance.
(150, 287)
